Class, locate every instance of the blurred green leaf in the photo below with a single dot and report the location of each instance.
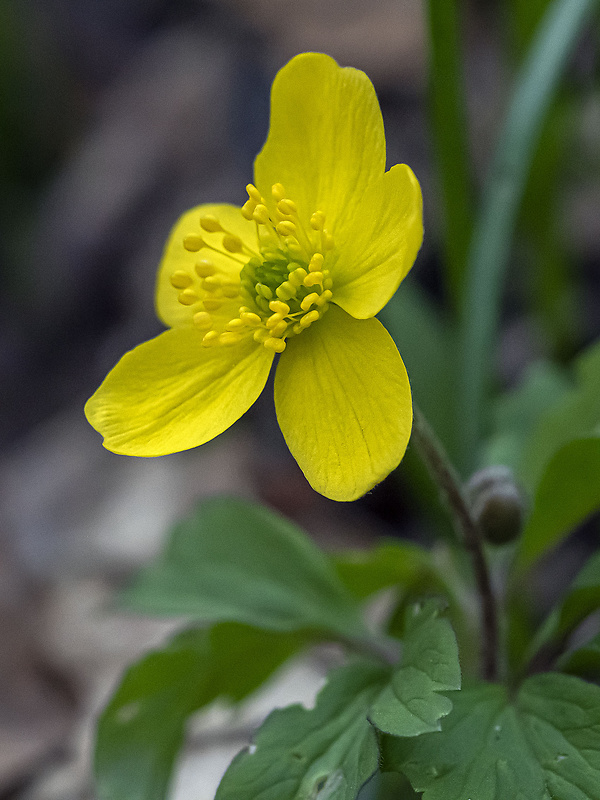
(491, 243)
(585, 661)
(401, 564)
(575, 415)
(540, 746)
(568, 493)
(326, 752)
(412, 704)
(232, 560)
(142, 729)
(427, 345)
(517, 413)
(449, 128)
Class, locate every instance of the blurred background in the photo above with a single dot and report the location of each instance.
(115, 117)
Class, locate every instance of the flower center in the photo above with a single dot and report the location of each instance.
(277, 291)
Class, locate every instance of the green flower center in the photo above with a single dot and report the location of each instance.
(281, 289)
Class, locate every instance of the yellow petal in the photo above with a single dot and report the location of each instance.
(176, 258)
(171, 393)
(343, 403)
(326, 141)
(375, 249)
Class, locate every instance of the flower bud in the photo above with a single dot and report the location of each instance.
(496, 503)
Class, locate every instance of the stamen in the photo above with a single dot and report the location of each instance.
(278, 345)
(297, 276)
(204, 268)
(253, 193)
(212, 304)
(316, 262)
(188, 297)
(286, 291)
(327, 241)
(286, 228)
(279, 308)
(210, 223)
(210, 338)
(193, 242)
(274, 319)
(309, 318)
(277, 191)
(232, 243)
(313, 278)
(309, 300)
(228, 338)
(261, 215)
(203, 320)
(287, 207)
(250, 318)
(278, 330)
(317, 221)
(261, 335)
(248, 209)
(234, 325)
(181, 279)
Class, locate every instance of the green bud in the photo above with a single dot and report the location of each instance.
(497, 504)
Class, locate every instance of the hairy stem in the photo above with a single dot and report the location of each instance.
(446, 478)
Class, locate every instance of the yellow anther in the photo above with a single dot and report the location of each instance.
(309, 300)
(212, 304)
(273, 320)
(231, 243)
(297, 276)
(287, 207)
(327, 241)
(309, 318)
(193, 242)
(286, 228)
(181, 279)
(248, 209)
(279, 308)
(313, 278)
(279, 329)
(234, 325)
(286, 291)
(327, 283)
(250, 318)
(264, 291)
(210, 223)
(228, 338)
(210, 338)
(188, 297)
(253, 193)
(277, 191)
(203, 320)
(230, 289)
(261, 215)
(316, 262)
(317, 221)
(277, 345)
(297, 328)
(260, 335)
(204, 268)
(293, 246)
(212, 283)
(325, 297)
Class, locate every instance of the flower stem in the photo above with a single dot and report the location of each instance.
(449, 484)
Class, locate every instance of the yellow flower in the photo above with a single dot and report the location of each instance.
(320, 246)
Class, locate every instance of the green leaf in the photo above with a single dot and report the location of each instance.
(329, 751)
(545, 745)
(142, 729)
(568, 492)
(517, 413)
(392, 563)
(574, 416)
(585, 661)
(448, 117)
(412, 704)
(489, 254)
(236, 561)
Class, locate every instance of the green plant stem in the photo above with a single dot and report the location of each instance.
(449, 129)
(445, 476)
(490, 246)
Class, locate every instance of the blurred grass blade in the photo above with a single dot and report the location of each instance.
(490, 246)
(447, 108)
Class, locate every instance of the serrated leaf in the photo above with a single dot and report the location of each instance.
(545, 745)
(141, 730)
(232, 560)
(327, 752)
(568, 492)
(412, 704)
